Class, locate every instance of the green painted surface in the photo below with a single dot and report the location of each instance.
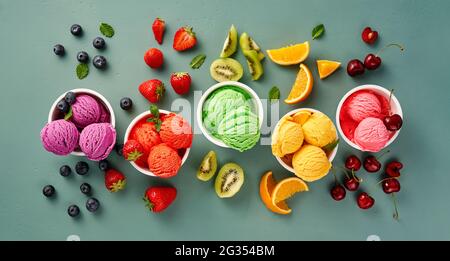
(32, 77)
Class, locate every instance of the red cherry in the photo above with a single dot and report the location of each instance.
(351, 184)
(393, 122)
(355, 67)
(353, 163)
(369, 36)
(371, 164)
(372, 61)
(338, 192)
(393, 169)
(390, 185)
(365, 201)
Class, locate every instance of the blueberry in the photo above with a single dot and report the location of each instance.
(86, 188)
(48, 191)
(59, 50)
(92, 204)
(76, 29)
(119, 149)
(73, 210)
(82, 168)
(83, 57)
(65, 170)
(70, 98)
(103, 165)
(126, 103)
(99, 62)
(99, 43)
(63, 106)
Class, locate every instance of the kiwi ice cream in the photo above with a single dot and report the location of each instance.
(228, 114)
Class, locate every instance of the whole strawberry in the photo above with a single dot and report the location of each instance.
(181, 82)
(157, 199)
(154, 58)
(153, 90)
(184, 39)
(115, 180)
(132, 150)
(158, 27)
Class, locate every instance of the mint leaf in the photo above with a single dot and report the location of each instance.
(69, 114)
(318, 31)
(106, 30)
(158, 123)
(154, 111)
(330, 146)
(197, 61)
(82, 70)
(274, 94)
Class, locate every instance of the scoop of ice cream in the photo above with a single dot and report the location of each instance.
(239, 129)
(60, 137)
(363, 105)
(371, 135)
(319, 130)
(97, 140)
(164, 161)
(86, 110)
(146, 135)
(176, 132)
(288, 138)
(104, 114)
(310, 163)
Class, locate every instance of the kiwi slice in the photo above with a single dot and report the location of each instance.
(247, 43)
(254, 64)
(230, 44)
(229, 180)
(226, 69)
(208, 167)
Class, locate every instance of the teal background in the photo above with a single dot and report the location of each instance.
(32, 77)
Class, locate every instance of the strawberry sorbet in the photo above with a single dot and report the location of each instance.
(164, 161)
(176, 132)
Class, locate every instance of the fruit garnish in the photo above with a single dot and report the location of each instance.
(226, 69)
(76, 30)
(293, 54)
(73, 210)
(247, 44)
(337, 192)
(99, 62)
(107, 30)
(99, 43)
(330, 146)
(153, 90)
(103, 165)
(132, 150)
(287, 188)
(371, 163)
(208, 167)
(318, 31)
(254, 64)
(373, 61)
(59, 50)
(81, 168)
(115, 180)
(154, 58)
(229, 180)
(266, 187)
(92, 204)
(369, 36)
(365, 201)
(326, 68)
(65, 171)
(302, 86)
(158, 28)
(355, 67)
(184, 39)
(69, 114)
(181, 82)
(352, 163)
(393, 169)
(351, 183)
(157, 199)
(85, 188)
(82, 70)
(154, 117)
(48, 191)
(82, 57)
(126, 103)
(274, 94)
(230, 44)
(393, 122)
(301, 117)
(197, 61)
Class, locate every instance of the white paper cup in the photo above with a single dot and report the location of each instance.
(395, 109)
(331, 155)
(127, 135)
(54, 113)
(255, 99)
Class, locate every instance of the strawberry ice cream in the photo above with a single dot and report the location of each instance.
(145, 133)
(363, 105)
(176, 132)
(371, 134)
(164, 161)
(97, 140)
(60, 137)
(86, 110)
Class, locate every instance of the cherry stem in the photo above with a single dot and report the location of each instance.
(335, 178)
(390, 45)
(382, 154)
(379, 182)
(345, 172)
(355, 177)
(390, 98)
(395, 215)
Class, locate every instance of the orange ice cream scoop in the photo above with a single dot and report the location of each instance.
(176, 132)
(146, 135)
(164, 161)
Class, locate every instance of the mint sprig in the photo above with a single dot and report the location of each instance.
(330, 146)
(107, 30)
(155, 117)
(274, 94)
(82, 70)
(197, 61)
(318, 31)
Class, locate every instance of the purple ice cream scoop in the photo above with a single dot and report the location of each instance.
(60, 137)
(86, 110)
(104, 116)
(97, 140)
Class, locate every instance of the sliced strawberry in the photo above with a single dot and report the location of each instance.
(158, 27)
(184, 39)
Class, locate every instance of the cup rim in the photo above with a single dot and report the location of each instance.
(246, 88)
(127, 134)
(92, 93)
(331, 156)
(380, 90)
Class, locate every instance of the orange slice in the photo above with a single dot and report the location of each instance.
(302, 86)
(266, 187)
(293, 54)
(326, 67)
(287, 188)
(301, 117)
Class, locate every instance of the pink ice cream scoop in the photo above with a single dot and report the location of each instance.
(363, 105)
(176, 132)
(104, 115)
(371, 134)
(97, 140)
(60, 137)
(86, 110)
